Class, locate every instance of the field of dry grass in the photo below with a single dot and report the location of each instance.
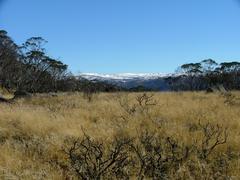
(190, 135)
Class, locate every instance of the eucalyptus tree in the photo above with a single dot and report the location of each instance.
(9, 64)
(41, 72)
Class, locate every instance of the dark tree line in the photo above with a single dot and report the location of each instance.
(206, 74)
(29, 68)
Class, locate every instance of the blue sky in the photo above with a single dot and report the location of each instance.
(115, 36)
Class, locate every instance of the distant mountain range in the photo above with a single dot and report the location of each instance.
(153, 81)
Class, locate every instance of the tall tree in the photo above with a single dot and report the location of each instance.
(41, 71)
(192, 68)
(208, 65)
(8, 61)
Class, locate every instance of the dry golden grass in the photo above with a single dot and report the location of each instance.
(33, 132)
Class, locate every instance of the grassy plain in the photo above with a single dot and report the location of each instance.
(35, 132)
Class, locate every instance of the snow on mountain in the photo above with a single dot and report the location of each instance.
(155, 81)
(123, 76)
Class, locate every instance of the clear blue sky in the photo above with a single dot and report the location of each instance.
(113, 36)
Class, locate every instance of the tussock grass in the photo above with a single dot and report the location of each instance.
(35, 132)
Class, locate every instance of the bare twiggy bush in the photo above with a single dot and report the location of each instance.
(157, 155)
(125, 104)
(230, 99)
(212, 136)
(150, 155)
(90, 159)
(141, 104)
(145, 101)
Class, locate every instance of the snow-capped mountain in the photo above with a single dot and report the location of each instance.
(123, 76)
(154, 81)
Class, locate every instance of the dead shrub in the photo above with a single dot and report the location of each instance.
(91, 159)
(212, 136)
(231, 99)
(157, 156)
(151, 156)
(141, 104)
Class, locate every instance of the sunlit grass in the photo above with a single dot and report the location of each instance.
(33, 131)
